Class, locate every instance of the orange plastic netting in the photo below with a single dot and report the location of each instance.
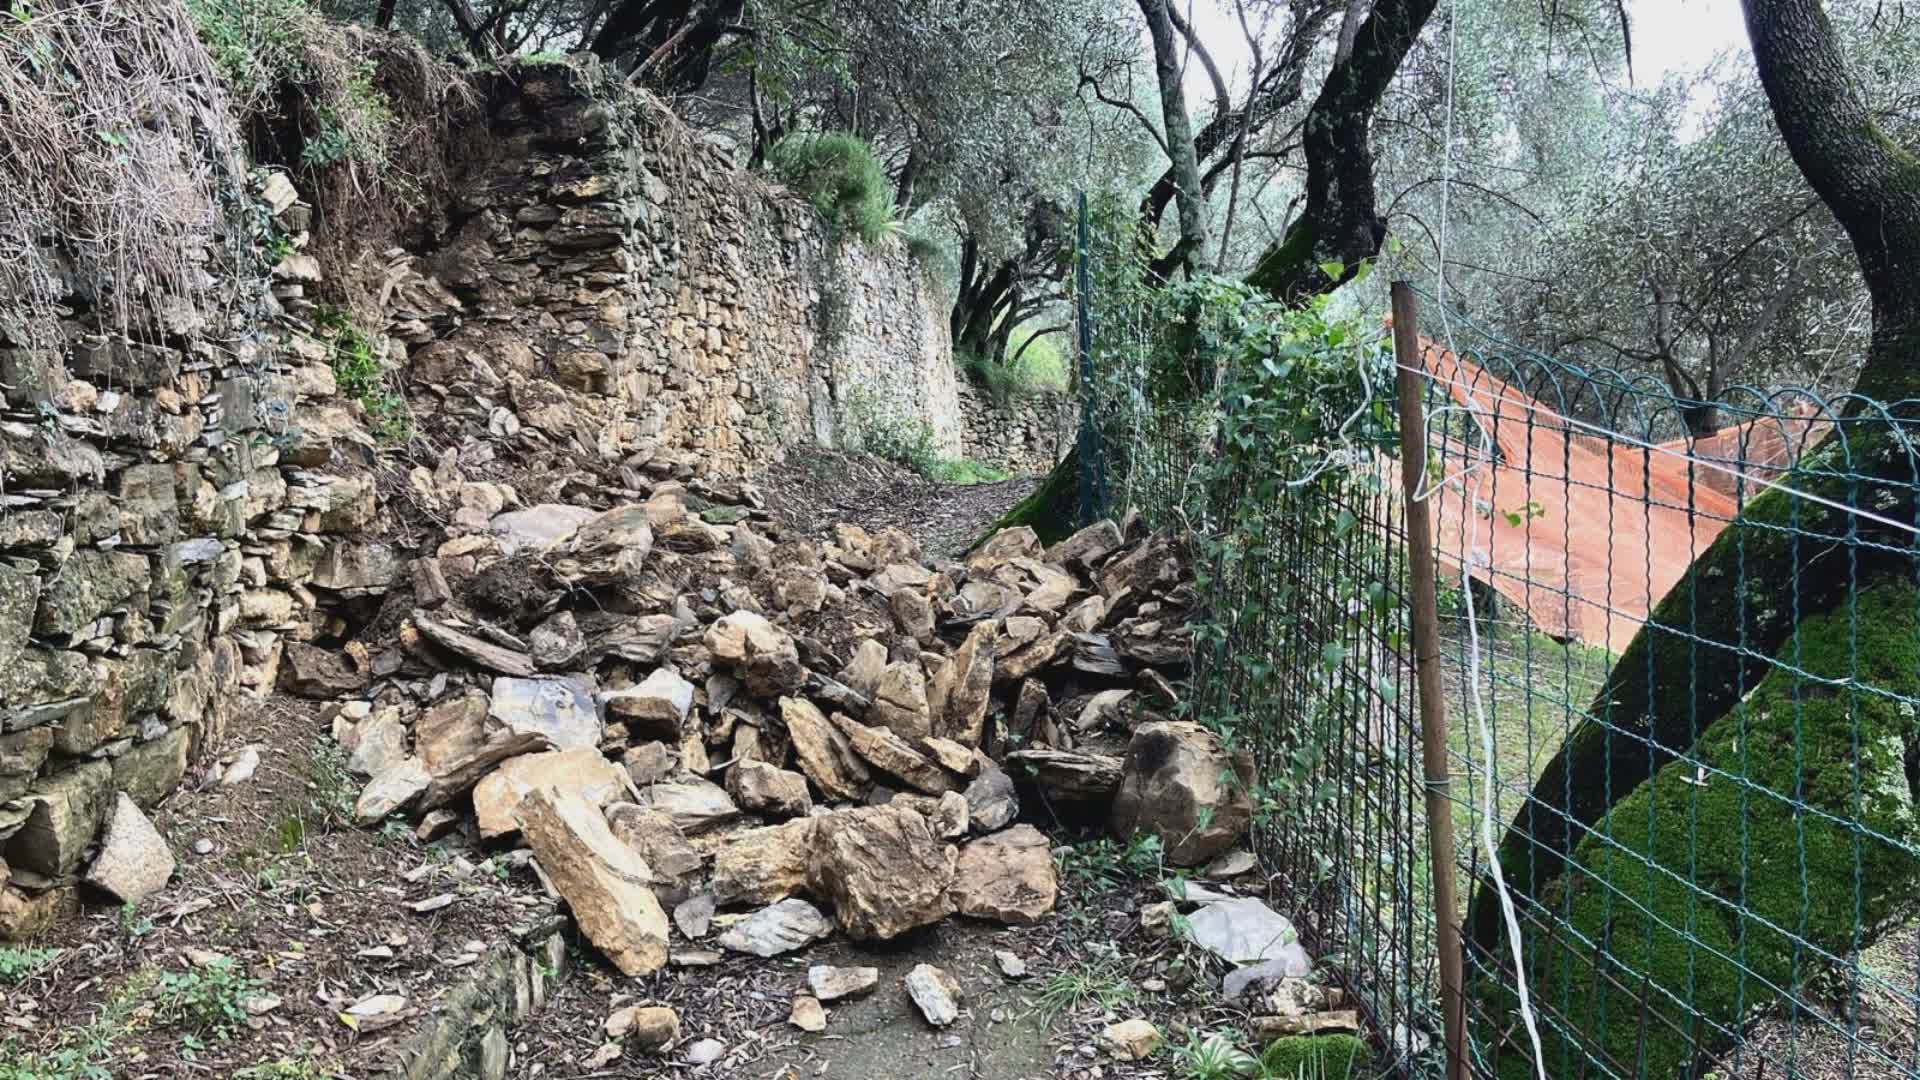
(1582, 531)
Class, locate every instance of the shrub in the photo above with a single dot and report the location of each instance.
(206, 1001)
(357, 374)
(839, 175)
(873, 428)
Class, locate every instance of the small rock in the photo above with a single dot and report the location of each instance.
(649, 1027)
(1010, 964)
(935, 993)
(203, 846)
(806, 1014)
(1130, 1040)
(694, 916)
(432, 904)
(697, 958)
(1266, 974)
(779, 928)
(655, 709)
(705, 1052)
(830, 983)
(1231, 865)
(391, 792)
(245, 764)
(758, 786)
(259, 1004)
(992, 802)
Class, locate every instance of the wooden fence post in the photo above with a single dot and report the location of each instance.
(1409, 381)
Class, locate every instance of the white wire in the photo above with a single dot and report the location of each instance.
(1466, 591)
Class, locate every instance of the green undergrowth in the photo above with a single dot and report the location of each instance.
(1021, 375)
(1315, 1057)
(871, 426)
(1718, 886)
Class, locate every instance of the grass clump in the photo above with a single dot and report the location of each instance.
(1212, 1057)
(1038, 370)
(1096, 984)
(839, 175)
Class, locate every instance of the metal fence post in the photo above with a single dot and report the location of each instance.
(1409, 382)
(1083, 334)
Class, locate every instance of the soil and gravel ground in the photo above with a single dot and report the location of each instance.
(813, 490)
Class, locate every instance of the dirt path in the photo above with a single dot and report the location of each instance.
(814, 490)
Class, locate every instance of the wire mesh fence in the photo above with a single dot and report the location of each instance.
(1680, 653)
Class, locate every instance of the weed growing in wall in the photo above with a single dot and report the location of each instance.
(839, 175)
(358, 374)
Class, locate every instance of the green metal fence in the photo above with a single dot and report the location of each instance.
(1681, 660)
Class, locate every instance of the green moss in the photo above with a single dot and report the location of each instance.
(1052, 511)
(1704, 895)
(1314, 1057)
(1708, 641)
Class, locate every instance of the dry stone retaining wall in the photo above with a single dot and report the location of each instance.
(1024, 435)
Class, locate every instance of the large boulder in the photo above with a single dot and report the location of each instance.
(883, 869)
(1008, 877)
(606, 884)
(1181, 784)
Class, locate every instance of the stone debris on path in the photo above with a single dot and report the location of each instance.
(934, 993)
(785, 739)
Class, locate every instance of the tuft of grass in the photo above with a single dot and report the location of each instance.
(1038, 370)
(1215, 1056)
(1104, 863)
(1098, 984)
(966, 471)
(838, 174)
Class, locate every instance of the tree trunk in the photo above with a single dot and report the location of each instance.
(1179, 132)
(1791, 578)
(1341, 222)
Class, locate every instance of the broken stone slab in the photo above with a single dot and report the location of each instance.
(778, 928)
(830, 983)
(151, 770)
(604, 882)
(1088, 546)
(1010, 964)
(1068, 782)
(1233, 864)
(391, 792)
(1243, 931)
(883, 870)
(1339, 1021)
(658, 840)
(134, 860)
(311, 672)
(1180, 783)
(950, 755)
(887, 752)
(963, 690)
(376, 743)
(537, 528)
(818, 747)
(694, 804)
(862, 673)
(947, 814)
(560, 709)
(760, 866)
(764, 789)
(694, 916)
(900, 702)
(765, 656)
(557, 643)
(1008, 877)
(934, 993)
(585, 773)
(1129, 1040)
(477, 650)
(912, 613)
(992, 802)
(656, 708)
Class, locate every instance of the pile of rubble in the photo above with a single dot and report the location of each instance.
(773, 740)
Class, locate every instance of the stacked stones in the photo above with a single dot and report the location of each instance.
(677, 714)
(165, 506)
(1025, 435)
(614, 288)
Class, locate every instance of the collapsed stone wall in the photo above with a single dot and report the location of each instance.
(1025, 435)
(610, 285)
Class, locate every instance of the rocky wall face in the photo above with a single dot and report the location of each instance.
(1025, 435)
(167, 487)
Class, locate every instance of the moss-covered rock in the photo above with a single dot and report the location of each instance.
(1785, 837)
(1315, 1057)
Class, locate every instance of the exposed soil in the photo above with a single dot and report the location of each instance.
(813, 490)
(304, 907)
